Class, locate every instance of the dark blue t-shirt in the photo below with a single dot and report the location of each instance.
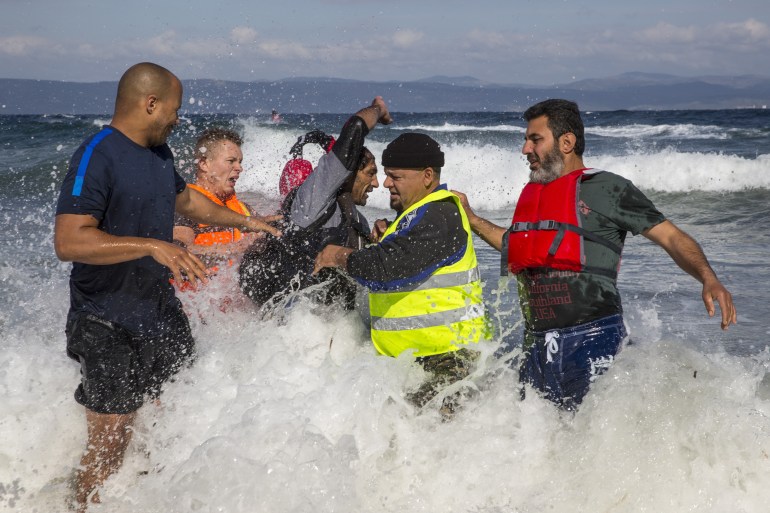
(131, 190)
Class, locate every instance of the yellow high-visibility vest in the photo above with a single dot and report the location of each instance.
(437, 315)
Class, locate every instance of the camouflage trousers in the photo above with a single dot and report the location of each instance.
(444, 369)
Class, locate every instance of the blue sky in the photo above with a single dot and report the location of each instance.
(510, 42)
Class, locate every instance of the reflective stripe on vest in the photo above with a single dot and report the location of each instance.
(427, 320)
(225, 235)
(439, 281)
(437, 315)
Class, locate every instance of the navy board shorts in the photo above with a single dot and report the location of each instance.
(563, 363)
(119, 370)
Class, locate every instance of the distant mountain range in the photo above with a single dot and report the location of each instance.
(629, 91)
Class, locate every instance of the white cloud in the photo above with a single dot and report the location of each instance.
(757, 29)
(666, 33)
(89, 50)
(489, 39)
(168, 44)
(353, 51)
(21, 45)
(749, 31)
(243, 35)
(406, 38)
(285, 50)
(162, 44)
(531, 54)
(720, 38)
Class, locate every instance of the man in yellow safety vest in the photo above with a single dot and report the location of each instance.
(423, 277)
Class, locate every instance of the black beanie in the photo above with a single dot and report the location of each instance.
(413, 151)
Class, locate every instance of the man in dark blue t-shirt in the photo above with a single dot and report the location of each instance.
(114, 220)
(127, 200)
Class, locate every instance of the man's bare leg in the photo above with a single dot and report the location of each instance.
(108, 438)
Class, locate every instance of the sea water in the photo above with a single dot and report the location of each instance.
(294, 411)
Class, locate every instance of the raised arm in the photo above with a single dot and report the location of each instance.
(317, 193)
(487, 230)
(351, 139)
(688, 255)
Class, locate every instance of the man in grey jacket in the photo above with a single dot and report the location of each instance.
(320, 211)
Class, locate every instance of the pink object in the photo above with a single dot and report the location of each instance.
(294, 173)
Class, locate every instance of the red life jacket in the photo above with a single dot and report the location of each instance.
(225, 235)
(546, 229)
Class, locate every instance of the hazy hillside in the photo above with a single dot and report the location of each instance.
(631, 91)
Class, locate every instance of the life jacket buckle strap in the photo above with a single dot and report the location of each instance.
(547, 225)
(556, 241)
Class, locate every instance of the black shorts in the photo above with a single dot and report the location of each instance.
(118, 370)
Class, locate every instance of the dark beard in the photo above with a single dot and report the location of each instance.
(551, 168)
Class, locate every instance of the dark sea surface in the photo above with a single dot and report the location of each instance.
(276, 417)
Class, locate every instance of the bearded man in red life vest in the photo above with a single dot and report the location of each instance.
(564, 246)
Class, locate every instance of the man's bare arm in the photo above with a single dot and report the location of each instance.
(77, 238)
(194, 205)
(185, 236)
(487, 230)
(688, 255)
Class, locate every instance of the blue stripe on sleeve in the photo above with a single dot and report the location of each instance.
(81, 174)
(395, 285)
(406, 225)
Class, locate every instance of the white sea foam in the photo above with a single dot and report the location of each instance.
(451, 127)
(298, 413)
(493, 176)
(266, 151)
(687, 131)
(632, 131)
(673, 171)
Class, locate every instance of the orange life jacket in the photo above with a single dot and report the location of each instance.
(546, 229)
(225, 235)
